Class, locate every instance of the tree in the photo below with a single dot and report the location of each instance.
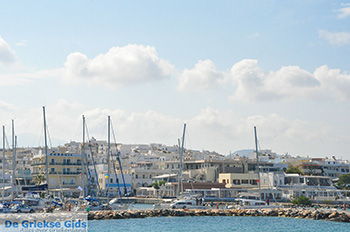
(294, 169)
(302, 200)
(157, 184)
(344, 181)
(39, 179)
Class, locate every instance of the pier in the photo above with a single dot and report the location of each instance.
(316, 214)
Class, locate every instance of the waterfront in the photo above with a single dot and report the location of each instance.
(218, 223)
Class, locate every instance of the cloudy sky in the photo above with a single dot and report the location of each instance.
(220, 66)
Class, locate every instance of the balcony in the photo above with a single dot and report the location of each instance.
(65, 164)
(39, 163)
(64, 173)
(69, 184)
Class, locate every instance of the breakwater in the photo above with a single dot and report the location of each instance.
(316, 214)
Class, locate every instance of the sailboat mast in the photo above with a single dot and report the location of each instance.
(46, 152)
(180, 172)
(3, 162)
(13, 159)
(108, 152)
(181, 159)
(257, 156)
(84, 183)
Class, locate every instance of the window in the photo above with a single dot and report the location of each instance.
(111, 180)
(253, 182)
(245, 182)
(238, 182)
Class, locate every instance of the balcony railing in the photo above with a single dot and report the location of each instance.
(65, 173)
(69, 164)
(69, 184)
(41, 163)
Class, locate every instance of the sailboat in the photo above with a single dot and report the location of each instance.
(115, 203)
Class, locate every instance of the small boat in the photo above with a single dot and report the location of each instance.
(116, 205)
(251, 204)
(186, 204)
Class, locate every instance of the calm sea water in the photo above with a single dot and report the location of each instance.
(212, 224)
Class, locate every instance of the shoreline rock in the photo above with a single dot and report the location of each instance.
(315, 214)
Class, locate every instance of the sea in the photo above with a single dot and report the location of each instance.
(216, 223)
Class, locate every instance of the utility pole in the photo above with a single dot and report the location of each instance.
(257, 157)
(46, 152)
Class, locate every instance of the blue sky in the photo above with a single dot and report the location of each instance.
(301, 109)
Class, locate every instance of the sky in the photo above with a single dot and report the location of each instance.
(221, 67)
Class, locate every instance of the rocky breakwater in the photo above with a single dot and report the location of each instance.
(316, 214)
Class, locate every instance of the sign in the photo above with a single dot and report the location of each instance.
(40, 222)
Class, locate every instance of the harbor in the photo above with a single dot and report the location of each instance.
(315, 214)
(93, 175)
(176, 116)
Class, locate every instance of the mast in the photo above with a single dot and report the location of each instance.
(84, 160)
(13, 159)
(46, 152)
(257, 157)
(179, 174)
(181, 159)
(92, 159)
(3, 162)
(120, 166)
(108, 152)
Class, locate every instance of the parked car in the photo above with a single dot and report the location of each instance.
(21, 209)
(4, 209)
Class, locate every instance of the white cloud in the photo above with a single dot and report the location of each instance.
(344, 12)
(7, 55)
(335, 38)
(334, 82)
(252, 83)
(6, 106)
(120, 66)
(22, 78)
(212, 129)
(202, 76)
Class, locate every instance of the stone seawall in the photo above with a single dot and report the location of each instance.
(316, 214)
